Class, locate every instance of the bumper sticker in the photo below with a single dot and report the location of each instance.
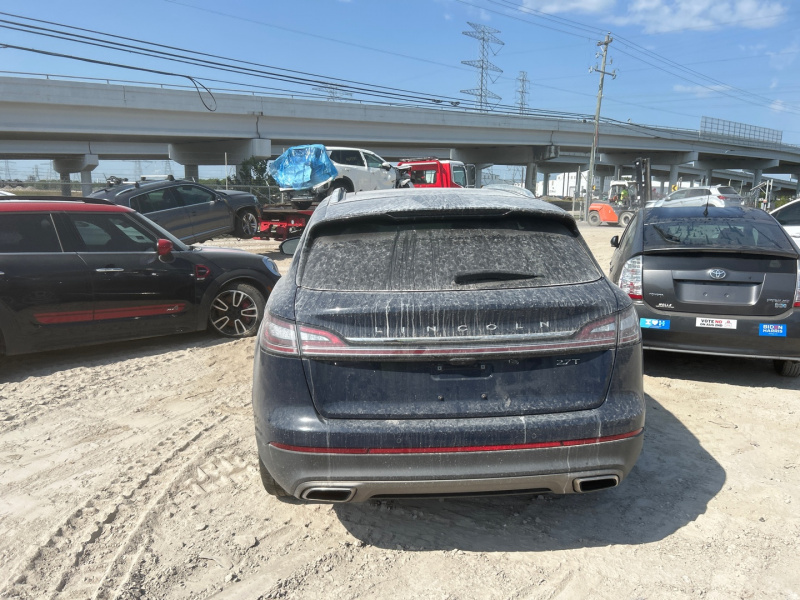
(716, 323)
(654, 323)
(772, 330)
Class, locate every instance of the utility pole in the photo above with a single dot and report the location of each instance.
(603, 73)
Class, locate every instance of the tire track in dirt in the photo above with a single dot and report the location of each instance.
(72, 559)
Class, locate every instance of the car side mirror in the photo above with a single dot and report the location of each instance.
(615, 241)
(386, 165)
(164, 247)
(289, 247)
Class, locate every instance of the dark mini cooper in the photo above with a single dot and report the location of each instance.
(712, 280)
(81, 271)
(445, 343)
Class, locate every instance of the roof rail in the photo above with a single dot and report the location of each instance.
(425, 158)
(60, 199)
(338, 194)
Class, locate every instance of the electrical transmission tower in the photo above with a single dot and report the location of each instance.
(334, 92)
(167, 167)
(137, 170)
(522, 92)
(486, 37)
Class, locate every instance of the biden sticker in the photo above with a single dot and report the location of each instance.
(654, 323)
(771, 330)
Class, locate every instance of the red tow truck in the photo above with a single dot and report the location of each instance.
(281, 222)
(433, 172)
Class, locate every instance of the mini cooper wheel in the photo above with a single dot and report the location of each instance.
(246, 224)
(236, 311)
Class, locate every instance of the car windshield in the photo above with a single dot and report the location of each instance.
(719, 233)
(448, 254)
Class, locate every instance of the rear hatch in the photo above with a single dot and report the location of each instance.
(718, 266)
(453, 318)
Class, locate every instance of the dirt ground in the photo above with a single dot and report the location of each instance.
(129, 471)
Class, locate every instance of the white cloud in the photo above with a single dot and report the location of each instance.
(784, 58)
(778, 106)
(660, 16)
(700, 91)
(561, 6)
(773, 84)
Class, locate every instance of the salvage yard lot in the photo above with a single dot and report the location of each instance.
(130, 471)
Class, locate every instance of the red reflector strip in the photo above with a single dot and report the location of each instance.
(447, 449)
(74, 316)
(139, 311)
(78, 316)
(636, 296)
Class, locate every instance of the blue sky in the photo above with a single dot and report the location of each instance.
(676, 60)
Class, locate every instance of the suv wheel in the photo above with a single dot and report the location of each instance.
(236, 311)
(272, 486)
(246, 224)
(787, 368)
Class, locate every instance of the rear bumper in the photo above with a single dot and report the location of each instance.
(679, 332)
(356, 478)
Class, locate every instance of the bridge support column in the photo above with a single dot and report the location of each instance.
(709, 175)
(617, 171)
(191, 172)
(797, 187)
(673, 176)
(546, 184)
(756, 177)
(86, 183)
(602, 185)
(530, 177)
(66, 186)
(83, 164)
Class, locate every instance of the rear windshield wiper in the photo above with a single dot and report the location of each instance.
(668, 237)
(484, 276)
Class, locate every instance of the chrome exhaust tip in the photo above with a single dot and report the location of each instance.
(328, 494)
(583, 485)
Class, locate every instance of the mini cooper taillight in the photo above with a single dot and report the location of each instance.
(630, 280)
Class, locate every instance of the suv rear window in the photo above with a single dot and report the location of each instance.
(448, 254)
(715, 233)
(728, 191)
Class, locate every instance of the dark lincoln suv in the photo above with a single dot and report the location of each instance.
(189, 211)
(445, 343)
(84, 271)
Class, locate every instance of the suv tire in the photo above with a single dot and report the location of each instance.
(272, 486)
(246, 224)
(236, 311)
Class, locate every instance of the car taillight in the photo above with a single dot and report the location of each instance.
(629, 330)
(797, 288)
(630, 280)
(278, 336)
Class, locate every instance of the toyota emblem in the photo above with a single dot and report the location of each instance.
(717, 274)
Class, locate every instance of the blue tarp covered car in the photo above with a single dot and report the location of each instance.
(303, 168)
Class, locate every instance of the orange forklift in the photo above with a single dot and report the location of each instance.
(625, 197)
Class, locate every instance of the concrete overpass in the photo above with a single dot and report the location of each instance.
(77, 124)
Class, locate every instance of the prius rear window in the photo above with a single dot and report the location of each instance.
(454, 254)
(727, 234)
